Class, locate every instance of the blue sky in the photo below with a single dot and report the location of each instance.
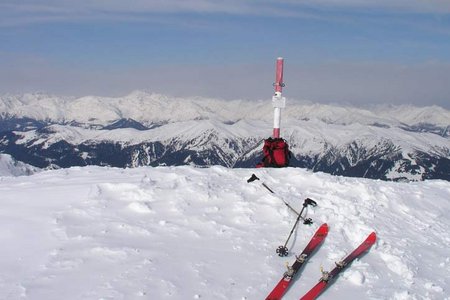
(348, 51)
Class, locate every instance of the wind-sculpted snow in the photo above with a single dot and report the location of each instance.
(205, 233)
(10, 167)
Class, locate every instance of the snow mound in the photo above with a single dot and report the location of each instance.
(10, 167)
(191, 233)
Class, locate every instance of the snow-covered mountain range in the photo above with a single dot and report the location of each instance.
(385, 142)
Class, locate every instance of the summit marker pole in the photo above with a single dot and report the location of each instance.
(278, 102)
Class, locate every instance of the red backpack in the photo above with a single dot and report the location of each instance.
(276, 153)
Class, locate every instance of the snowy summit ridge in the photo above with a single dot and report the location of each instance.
(205, 233)
(10, 167)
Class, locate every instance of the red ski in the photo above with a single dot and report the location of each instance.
(328, 276)
(284, 283)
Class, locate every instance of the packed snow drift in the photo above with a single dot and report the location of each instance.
(205, 233)
(11, 167)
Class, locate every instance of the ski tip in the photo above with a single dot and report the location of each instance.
(323, 229)
(372, 238)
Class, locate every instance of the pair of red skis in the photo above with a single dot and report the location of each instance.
(323, 283)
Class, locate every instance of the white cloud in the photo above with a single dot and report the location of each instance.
(399, 6)
(352, 82)
(31, 11)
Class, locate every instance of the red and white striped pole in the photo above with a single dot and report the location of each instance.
(278, 101)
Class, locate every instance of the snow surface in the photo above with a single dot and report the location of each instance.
(205, 233)
(10, 167)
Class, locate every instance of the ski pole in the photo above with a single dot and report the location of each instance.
(254, 177)
(283, 250)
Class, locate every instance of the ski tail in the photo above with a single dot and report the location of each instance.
(328, 276)
(283, 285)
